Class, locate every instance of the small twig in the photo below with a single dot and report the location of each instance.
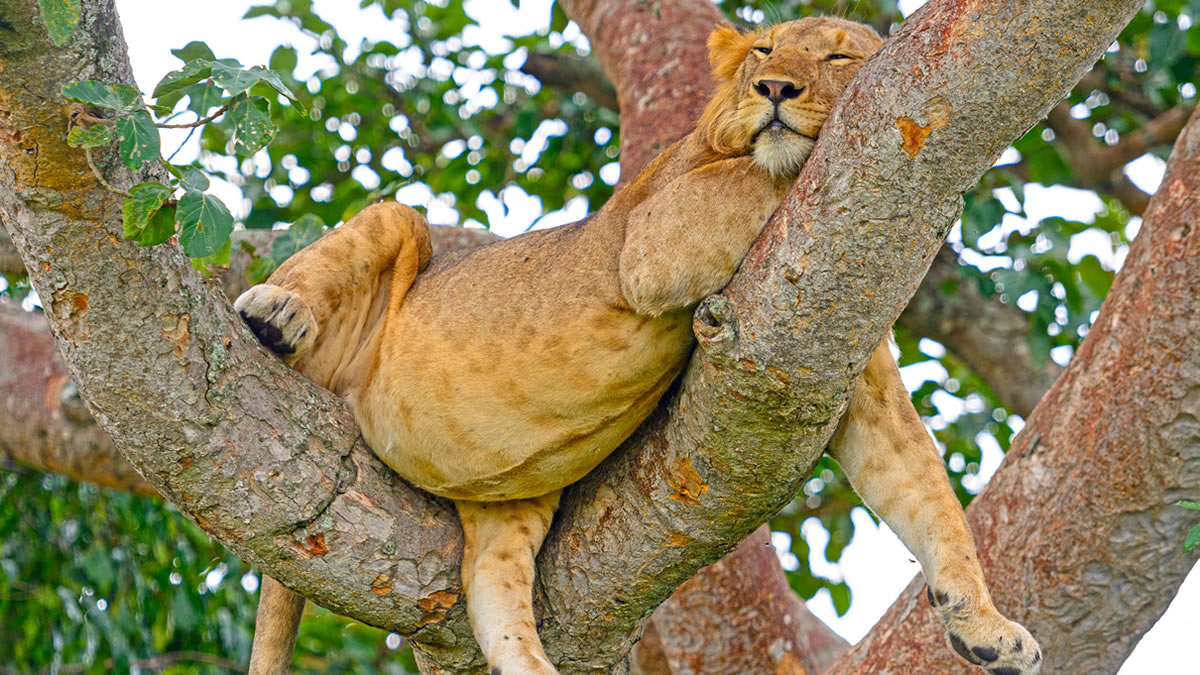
(87, 152)
(185, 140)
(198, 123)
(163, 660)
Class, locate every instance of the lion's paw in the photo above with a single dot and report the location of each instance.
(280, 319)
(986, 638)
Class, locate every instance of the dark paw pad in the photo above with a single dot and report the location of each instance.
(986, 653)
(961, 648)
(1004, 671)
(268, 334)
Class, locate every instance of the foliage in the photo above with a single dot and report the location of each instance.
(1193, 535)
(93, 577)
(117, 112)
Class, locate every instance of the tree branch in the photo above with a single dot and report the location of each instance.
(1083, 505)
(1099, 167)
(274, 468)
(572, 73)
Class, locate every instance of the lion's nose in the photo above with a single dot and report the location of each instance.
(777, 90)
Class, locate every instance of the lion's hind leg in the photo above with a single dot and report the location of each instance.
(502, 541)
(892, 463)
(325, 297)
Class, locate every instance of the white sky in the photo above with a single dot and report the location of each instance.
(875, 564)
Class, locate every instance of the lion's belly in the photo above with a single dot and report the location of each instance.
(472, 418)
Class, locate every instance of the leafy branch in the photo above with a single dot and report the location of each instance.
(215, 89)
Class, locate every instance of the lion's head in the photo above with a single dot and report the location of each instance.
(776, 87)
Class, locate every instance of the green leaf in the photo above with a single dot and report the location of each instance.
(979, 216)
(258, 270)
(160, 228)
(840, 593)
(144, 201)
(191, 73)
(1189, 505)
(203, 97)
(191, 178)
(1193, 539)
(252, 126)
(262, 10)
(205, 224)
(219, 257)
(92, 137)
(193, 51)
(276, 83)
(121, 97)
(303, 232)
(61, 18)
(233, 79)
(138, 139)
(283, 60)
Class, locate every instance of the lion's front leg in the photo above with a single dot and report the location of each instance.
(892, 463)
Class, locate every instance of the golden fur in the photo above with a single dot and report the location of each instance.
(499, 375)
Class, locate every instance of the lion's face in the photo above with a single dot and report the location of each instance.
(776, 87)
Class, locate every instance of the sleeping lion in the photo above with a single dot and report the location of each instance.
(600, 312)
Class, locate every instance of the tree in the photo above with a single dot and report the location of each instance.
(678, 28)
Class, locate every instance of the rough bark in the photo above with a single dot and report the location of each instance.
(737, 616)
(1080, 521)
(43, 424)
(274, 468)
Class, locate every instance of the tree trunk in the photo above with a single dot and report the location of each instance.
(274, 468)
(1078, 531)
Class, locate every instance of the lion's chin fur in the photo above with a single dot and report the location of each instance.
(784, 153)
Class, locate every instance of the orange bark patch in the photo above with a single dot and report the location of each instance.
(80, 302)
(679, 539)
(688, 485)
(315, 544)
(789, 665)
(382, 584)
(435, 605)
(914, 135)
(937, 110)
(175, 331)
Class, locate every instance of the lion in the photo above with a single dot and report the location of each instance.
(497, 376)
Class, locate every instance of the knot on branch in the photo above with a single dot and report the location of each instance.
(715, 323)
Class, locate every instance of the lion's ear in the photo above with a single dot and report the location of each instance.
(727, 48)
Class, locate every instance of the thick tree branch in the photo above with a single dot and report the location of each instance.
(42, 423)
(1099, 166)
(737, 616)
(572, 73)
(274, 468)
(1084, 505)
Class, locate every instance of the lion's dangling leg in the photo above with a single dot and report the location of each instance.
(892, 463)
(502, 541)
(316, 311)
